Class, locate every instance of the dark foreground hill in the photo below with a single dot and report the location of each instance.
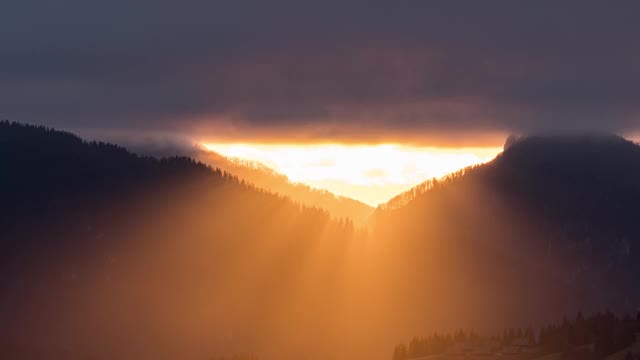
(108, 255)
(548, 228)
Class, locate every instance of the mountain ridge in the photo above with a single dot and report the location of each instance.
(261, 176)
(136, 250)
(267, 178)
(558, 209)
(111, 255)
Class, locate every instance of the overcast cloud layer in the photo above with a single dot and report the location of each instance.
(324, 70)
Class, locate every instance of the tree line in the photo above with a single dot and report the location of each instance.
(601, 334)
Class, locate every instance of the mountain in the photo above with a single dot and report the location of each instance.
(262, 177)
(266, 178)
(546, 229)
(105, 254)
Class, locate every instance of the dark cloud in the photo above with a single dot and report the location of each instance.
(321, 70)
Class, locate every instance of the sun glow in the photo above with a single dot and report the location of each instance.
(369, 173)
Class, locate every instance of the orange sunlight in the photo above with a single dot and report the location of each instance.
(372, 174)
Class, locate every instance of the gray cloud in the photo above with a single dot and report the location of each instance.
(323, 69)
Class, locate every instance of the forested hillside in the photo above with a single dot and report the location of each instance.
(113, 256)
(106, 254)
(268, 179)
(259, 175)
(546, 228)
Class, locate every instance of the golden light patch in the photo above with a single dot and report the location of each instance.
(370, 173)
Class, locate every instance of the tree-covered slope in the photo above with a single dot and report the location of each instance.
(547, 228)
(109, 255)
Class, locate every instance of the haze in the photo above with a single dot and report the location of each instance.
(370, 173)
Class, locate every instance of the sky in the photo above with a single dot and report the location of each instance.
(451, 72)
(422, 73)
